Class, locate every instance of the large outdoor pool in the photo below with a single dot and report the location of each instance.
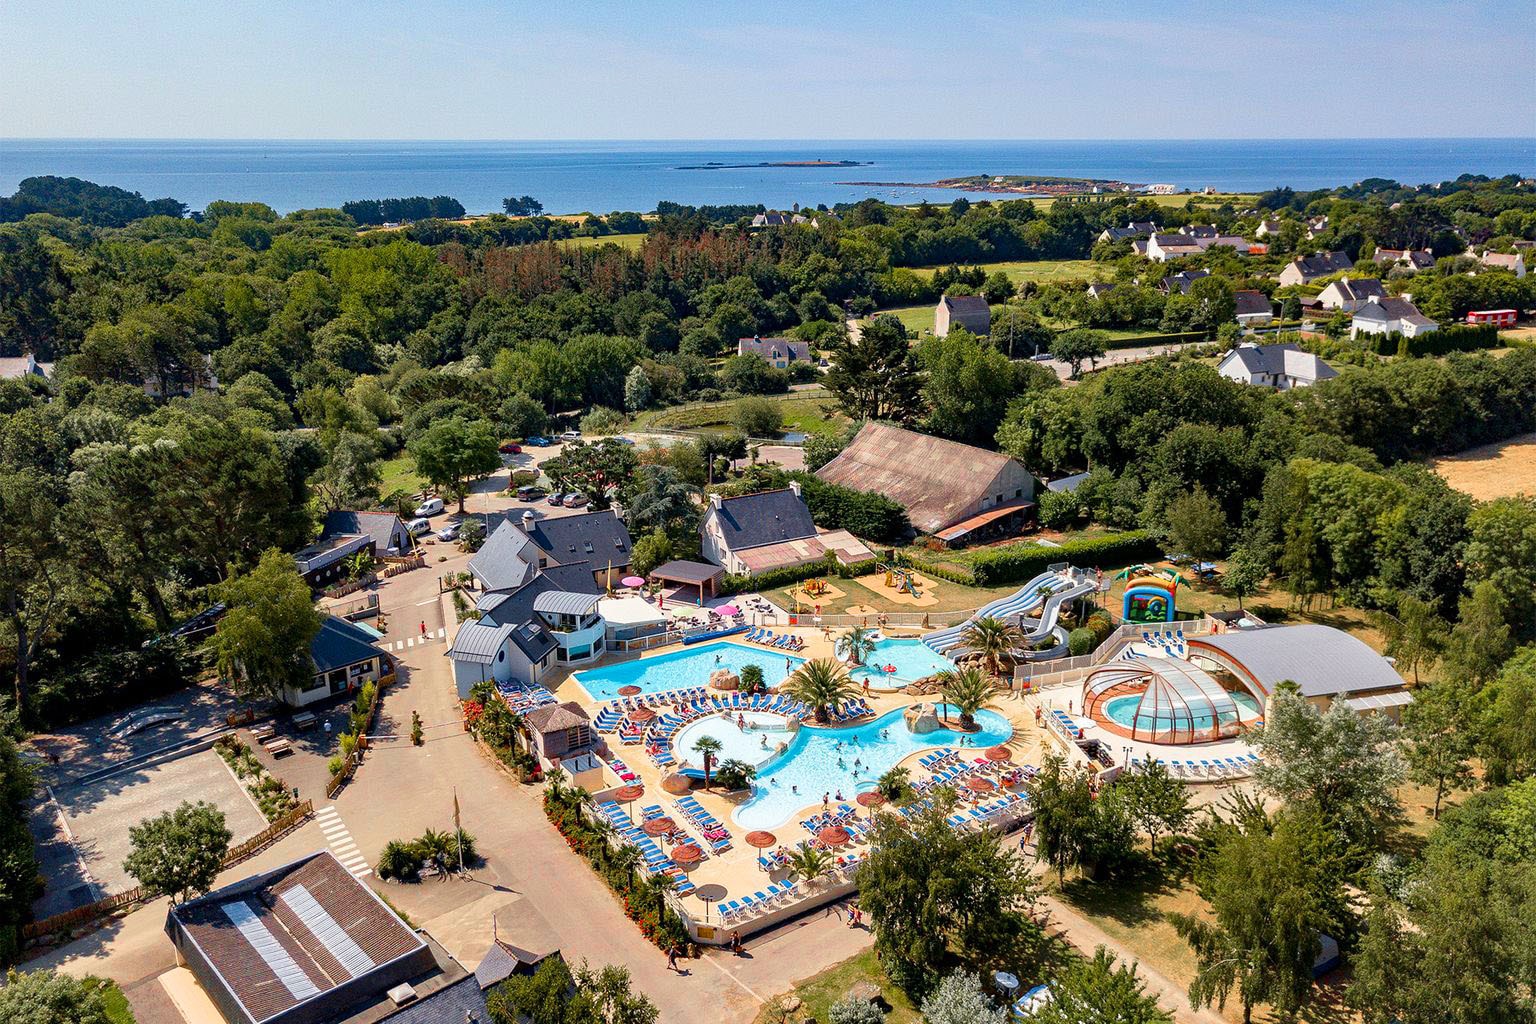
(754, 744)
(1122, 711)
(684, 668)
(912, 659)
(822, 761)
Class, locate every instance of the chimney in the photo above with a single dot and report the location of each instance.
(714, 501)
(527, 520)
(794, 485)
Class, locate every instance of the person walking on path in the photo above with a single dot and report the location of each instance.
(672, 958)
(736, 943)
(423, 627)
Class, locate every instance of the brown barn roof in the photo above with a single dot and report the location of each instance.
(938, 482)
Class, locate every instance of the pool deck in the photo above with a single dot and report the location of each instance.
(736, 871)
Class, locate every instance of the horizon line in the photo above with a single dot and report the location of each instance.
(766, 139)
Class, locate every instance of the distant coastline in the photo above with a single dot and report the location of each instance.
(715, 165)
(1013, 184)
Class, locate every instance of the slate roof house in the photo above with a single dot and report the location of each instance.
(1274, 366)
(345, 658)
(755, 533)
(968, 311)
(345, 534)
(776, 352)
(1512, 262)
(1252, 308)
(941, 484)
(1135, 229)
(1181, 282)
(1412, 259)
(776, 219)
(307, 943)
(1306, 269)
(1390, 316)
(1350, 294)
(1267, 227)
(541, 583)
(1099, 289)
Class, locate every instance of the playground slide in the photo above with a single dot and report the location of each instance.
(1019, 604)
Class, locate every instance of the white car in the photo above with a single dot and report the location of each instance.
(418, 527)
(571, 435)
(449, 532)
(430, 507)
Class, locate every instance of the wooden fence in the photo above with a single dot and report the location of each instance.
(130, 898)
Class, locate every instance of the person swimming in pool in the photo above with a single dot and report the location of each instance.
(841, 765)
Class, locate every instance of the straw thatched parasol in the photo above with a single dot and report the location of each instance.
(871, 798)
(999, 753)
(628, 690)
(659, 826)
(629, 794)
(686, 854)
(761, 840)
(641, 715)
(976, 784)
(677, 785)
(833, 835)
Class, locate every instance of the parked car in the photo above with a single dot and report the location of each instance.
(574, 500)
(539, 442)
(510, 449)
(623, 440)
(570, 435)
(555, 497)
(449, 532)
(418, 527)
(530, 492)
(430, 507)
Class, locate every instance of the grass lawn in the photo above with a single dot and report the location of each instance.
(400, 475)
(113, 1000)
(631, 241)
(952, 597)
(918, 320)
(808, 411)
(820, 991)
(1037, 271)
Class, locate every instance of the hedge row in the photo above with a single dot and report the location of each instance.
(864, 514)
(1452, 338)
(776, 578)
(1144, 340)
(1020, 562)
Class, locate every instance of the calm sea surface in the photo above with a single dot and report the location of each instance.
(570, 177)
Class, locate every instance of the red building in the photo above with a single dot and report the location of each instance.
(1497, 317)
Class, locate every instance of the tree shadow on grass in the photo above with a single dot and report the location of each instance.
(1131, 898)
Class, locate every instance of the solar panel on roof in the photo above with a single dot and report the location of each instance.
(270, 950)
(327, 931)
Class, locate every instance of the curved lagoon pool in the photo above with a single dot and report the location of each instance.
(822, 761)
(755, 744)
(910, 657)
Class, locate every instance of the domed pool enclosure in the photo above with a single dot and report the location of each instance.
(1171, 701)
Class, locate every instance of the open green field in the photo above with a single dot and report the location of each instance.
(918, 320)
(808, 411)
(400, 475)
(631, 242)
(1034, 271)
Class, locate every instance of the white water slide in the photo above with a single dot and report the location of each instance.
(1045, 596)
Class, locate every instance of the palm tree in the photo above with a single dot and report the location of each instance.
(968, 689)
(555, 785)
(809, 862)
(434, 847)
(821, 683)
(894, 783)
(856, 644)
(995, 640)
(709, 747)
(624, 860)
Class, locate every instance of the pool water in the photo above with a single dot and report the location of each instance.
(811, 764)
(684, 668)
(1122, 711)
(754, 745)
(912, 659)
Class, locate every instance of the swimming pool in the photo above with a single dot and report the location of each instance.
(822, 761)
(1122, 711)
(912, 659)
(754, 745)
(690, 666)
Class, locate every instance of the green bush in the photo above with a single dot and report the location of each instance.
(1016, 563)
(751, 678)
(863, 514)
(1058, 509)
(523, 478)
(335, 765)
(1101, 625)
(603, 421)
(732, 774)
(397, 859)
(1081, 641)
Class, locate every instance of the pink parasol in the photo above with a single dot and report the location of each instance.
(632, 581)
(728, 610)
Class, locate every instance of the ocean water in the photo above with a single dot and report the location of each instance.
(602, 176)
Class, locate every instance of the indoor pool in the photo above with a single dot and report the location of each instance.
(690, 666)
(755, 744)
(822, 761)
(912, 659)
(1122, 711)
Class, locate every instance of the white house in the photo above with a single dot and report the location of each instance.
(1350, 294)
(1306, 269)
(18, 367)
(1512, 262)
(1411, 259)
(1274, 366)
(345, 658)
(1164, 247)
(776, 352)
(756, 533)
(968, 311)
(1391, 316)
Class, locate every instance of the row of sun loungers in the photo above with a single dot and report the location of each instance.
(781, 642)
(622, 770)
(715, 834)
(522, 697)
(656, 860)
(1064, 722)
(990, 811)
(1171, 643)
(1208, 768)
(760, 902)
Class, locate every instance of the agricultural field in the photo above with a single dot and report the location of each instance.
(806, 411)
(1034, 271)
(630, 241)
(1493, 470)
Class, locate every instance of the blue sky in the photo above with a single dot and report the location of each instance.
(666, 70)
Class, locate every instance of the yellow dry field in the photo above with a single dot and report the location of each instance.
(1494, 470)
